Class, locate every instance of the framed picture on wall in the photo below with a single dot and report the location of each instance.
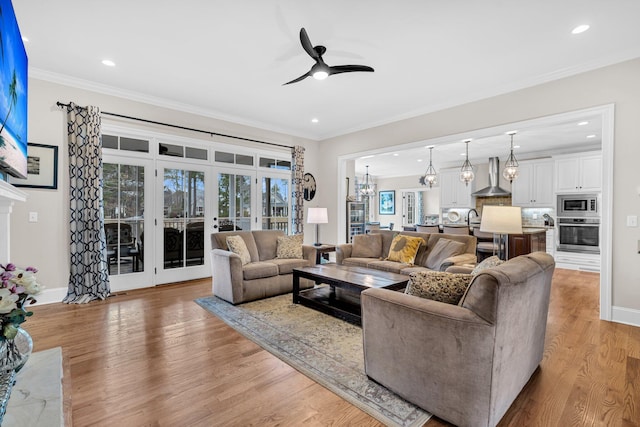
(387, 202)
(42, 168)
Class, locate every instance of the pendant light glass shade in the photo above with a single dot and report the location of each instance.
(510, 171)
(466, 171)
(430, 177)
(367, 189)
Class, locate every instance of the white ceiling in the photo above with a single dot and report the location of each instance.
(229, 59)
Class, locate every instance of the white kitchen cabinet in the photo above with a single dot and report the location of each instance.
(534, 185)
(453, 192)
(577, 261)
(579, 173)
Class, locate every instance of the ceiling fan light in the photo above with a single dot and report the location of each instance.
(320, 75)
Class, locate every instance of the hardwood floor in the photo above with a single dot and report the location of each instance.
(153, 357)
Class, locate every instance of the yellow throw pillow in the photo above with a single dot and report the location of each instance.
(404, 248)
(237, 245)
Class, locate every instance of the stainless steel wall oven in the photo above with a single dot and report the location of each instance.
(579, 235)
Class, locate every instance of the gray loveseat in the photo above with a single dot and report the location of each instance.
(265, 276)
(465, 363)
(373, 254)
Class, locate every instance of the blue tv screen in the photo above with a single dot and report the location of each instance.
(13, 94)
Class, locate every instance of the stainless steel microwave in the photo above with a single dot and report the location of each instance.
(578, 205)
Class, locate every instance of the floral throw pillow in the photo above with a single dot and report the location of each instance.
(438, 285)
(237, 245)
(289, 247)
(492, 261)
(404, 248)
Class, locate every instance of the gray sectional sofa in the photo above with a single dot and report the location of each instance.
(265, 276)
(372, 253)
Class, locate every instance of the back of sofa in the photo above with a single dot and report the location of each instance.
(514, 297)
(262, 244)
(430, 238)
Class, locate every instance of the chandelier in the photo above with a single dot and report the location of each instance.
(367, 188)
(466, 171)
(430, 177)
(510, 171)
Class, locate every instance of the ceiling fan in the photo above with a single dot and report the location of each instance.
(320, 70)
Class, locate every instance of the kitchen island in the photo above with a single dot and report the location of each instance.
(531, 240)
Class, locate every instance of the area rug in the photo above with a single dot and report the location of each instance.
(326, 349)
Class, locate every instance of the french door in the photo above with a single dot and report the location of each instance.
(127, 195)
(234, 206)
(183, 223)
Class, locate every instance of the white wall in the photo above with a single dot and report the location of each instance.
(45, 244)
(618, 84)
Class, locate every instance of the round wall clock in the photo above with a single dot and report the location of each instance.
(309, 187)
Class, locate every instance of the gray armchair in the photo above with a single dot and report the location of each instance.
(465, 363)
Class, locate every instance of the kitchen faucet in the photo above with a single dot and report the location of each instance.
(469, 216)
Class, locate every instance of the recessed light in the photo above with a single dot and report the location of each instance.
(395, 154)
(108, 63)
(583, 123)
(367, 157)
(591, 136)
(419, 160)
(314, 120)
(580, 29)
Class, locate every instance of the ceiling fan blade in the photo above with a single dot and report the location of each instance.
(306, 44)
(302, 77)
(337, 69)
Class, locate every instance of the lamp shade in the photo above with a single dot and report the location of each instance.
(501, 220)
(317, 216)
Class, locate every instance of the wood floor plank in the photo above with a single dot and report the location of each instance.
(153, 357)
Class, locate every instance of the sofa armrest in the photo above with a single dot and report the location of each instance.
(309, 253)
(226, 275)
(460, 269)
(461, 259)
(433, 354)
(343, 251)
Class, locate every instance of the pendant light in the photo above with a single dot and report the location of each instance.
(510, 171)
(430, 177)
(367, 189)
(466, 171)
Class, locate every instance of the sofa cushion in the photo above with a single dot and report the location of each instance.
(492, 261)
(290, 247)
(384, 265)
(367, 246)
(404, 248)
(357, 262)
(442, 250)
(237, 245)
(219, 241)
(267, 243)
(259, 270)
(438, 285)
(286, 266)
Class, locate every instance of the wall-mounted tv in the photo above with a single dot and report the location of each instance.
(13, 94)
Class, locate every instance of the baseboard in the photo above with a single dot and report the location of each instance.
(50, 296)
(628, 316)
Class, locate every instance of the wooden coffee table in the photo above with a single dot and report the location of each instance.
(350, 280)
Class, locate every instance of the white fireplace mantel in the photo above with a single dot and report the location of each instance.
(8, 196)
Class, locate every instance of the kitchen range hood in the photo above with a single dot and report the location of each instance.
(492, 190)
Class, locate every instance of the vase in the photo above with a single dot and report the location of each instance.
(15, 352)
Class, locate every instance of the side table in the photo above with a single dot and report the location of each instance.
(322, 251)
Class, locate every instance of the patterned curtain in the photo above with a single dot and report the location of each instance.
(89, 279)
(297, 190)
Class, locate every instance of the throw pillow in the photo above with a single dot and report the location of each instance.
(290, 247)
(404, 248)
(438, 285)
(492, 261)
(237, 245)
(442, 250)
(367, 246)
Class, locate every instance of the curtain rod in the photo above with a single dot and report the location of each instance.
(60, 104)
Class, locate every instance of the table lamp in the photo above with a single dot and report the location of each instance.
(501, 220)
(317, 216)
